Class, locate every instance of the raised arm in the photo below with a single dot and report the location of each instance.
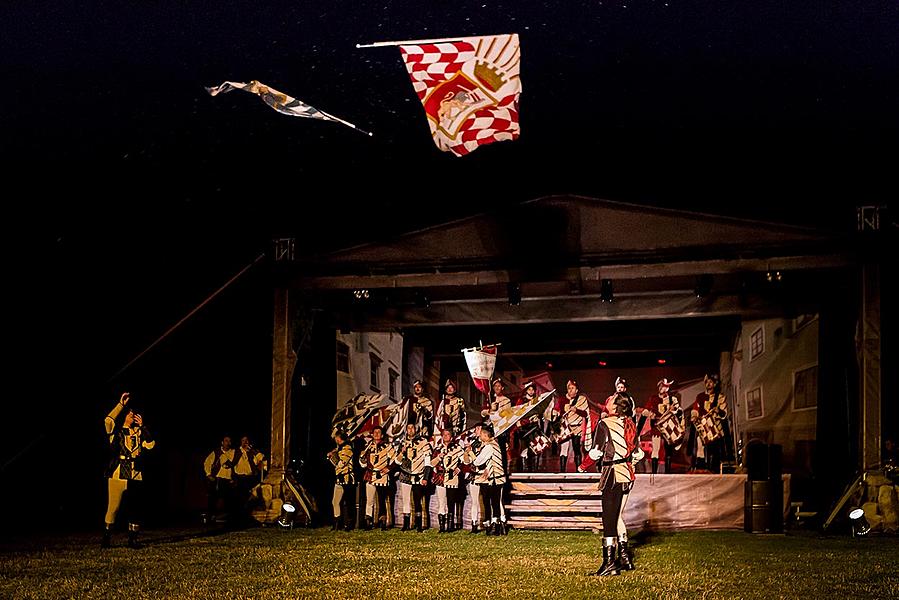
(109, 421)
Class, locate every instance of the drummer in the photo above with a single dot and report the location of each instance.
(667, 439)
(710, 406)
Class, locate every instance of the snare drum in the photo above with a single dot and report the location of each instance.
(709, 428)
(539, 443)
(671, 427)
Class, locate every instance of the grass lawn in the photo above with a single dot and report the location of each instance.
(269, 563)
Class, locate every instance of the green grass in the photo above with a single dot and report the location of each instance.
(268, 563)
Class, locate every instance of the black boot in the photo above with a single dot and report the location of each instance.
(474, 526)
(369, 523)
(667, 465)
(405, 523)
(655, 465)
(625, 560)
(488, 528)
(450, 523)
(106, 540)
(505, 526)
(382, 521)
(497, 528)
(418, 523)
(609, 565)
(335, 525)
(132, 537)
(441, 519)
(563, 463)
(348, 520)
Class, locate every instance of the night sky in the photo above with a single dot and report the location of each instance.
(131, 194)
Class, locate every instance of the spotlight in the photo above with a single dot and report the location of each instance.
(603, 363)
(774, 276)
(514, 290)
(860, 525)
(661, 361)
(606, 294)
(703, 286)
(288, 511)
(361, 294)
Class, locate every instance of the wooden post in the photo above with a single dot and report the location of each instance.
(283, 364)
(870, 371)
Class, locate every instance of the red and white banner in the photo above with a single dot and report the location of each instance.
(469, 89)
(481, 362)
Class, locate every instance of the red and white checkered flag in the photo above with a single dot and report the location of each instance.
(469, 89)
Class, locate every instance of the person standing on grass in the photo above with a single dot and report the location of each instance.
(617, 445)
(490, 478)
(343, 502)
(248, 465)
(414, 459)
(128, 440)
(376, 460)
(474, 491)
(219, 479)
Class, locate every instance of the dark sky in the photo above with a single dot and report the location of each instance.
(132, 194)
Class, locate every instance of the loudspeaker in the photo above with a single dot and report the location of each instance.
(764, 462)
(763, 506)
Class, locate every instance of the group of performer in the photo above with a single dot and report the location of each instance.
(438, 455)
(420, 465)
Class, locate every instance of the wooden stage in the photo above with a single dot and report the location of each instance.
(657, 502)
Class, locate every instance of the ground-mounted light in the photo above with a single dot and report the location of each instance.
(860, 526)
(288, 512)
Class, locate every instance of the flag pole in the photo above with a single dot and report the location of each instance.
(347, 123)
(404, 42)
(482, 347)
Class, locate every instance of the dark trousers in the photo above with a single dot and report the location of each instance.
(218, 489)
(454, 502)
(348, 504)
(382, 491)
(490, 492)
(419, 507)
(576, 450)
(133, 504)
(612, 494)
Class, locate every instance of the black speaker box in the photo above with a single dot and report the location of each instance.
(764, 462)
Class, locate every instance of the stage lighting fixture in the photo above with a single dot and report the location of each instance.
(606, 294)
(514, 290)
(661, 361)
(361, 294)
(703, 286)
(860, 524)
(603, 363)
(288, 511)
(774, 276)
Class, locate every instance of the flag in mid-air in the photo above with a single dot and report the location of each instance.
(281, 102)
(469, 89)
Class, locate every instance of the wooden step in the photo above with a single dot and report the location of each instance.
(552, 510)
(555, 494)
(585, 505)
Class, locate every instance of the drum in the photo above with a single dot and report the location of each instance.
(563, 434)
(709, 428)
(539, 443)
(671, 427)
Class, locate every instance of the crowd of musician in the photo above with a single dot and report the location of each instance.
(441, 455)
